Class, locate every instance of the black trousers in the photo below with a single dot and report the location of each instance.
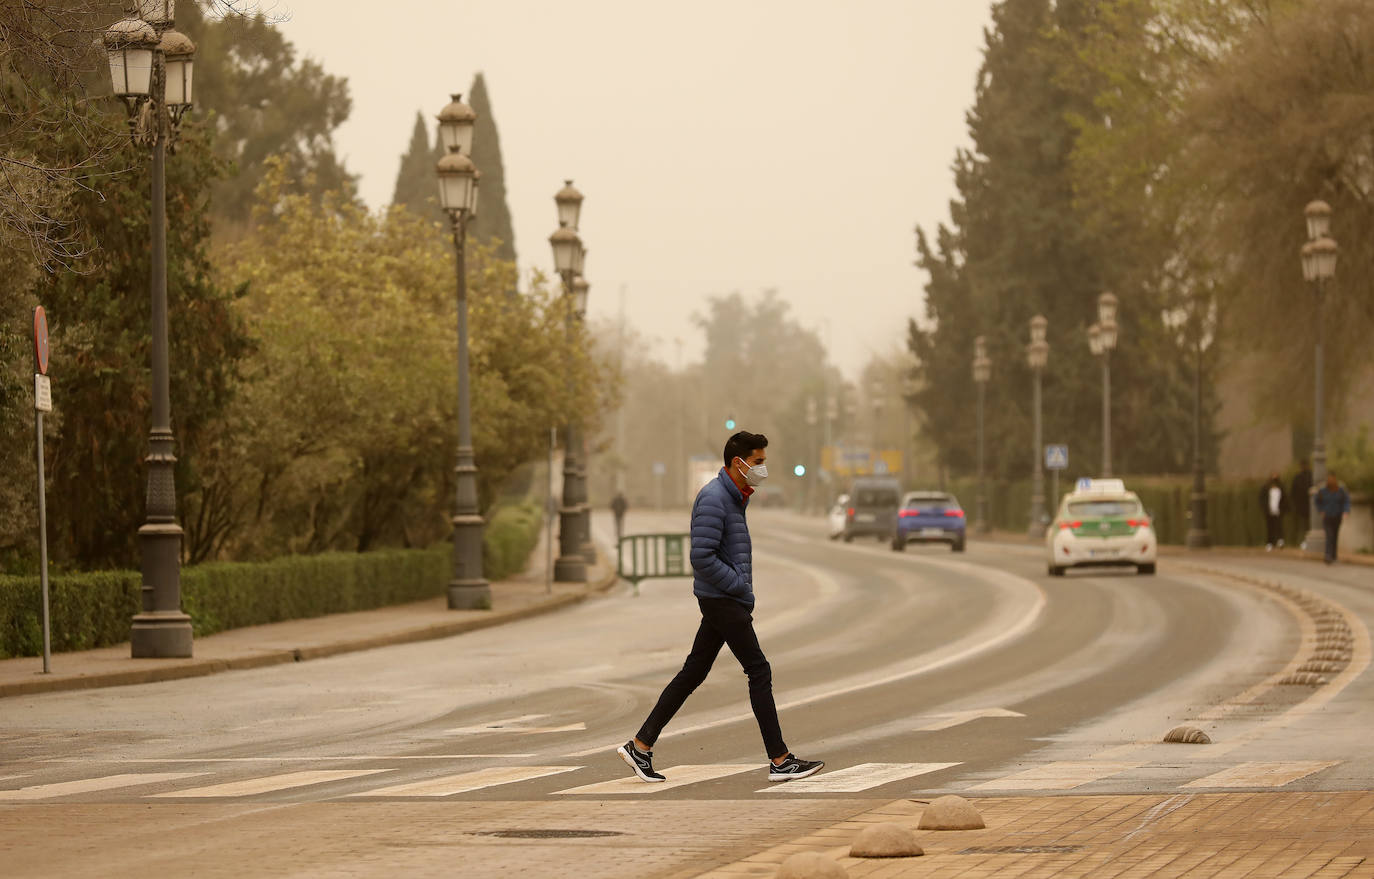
(723, 621)
(1332, 525)
(1275, 528)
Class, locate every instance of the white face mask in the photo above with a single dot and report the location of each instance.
(754, 475)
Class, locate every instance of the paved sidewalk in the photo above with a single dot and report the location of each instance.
(1297, 835)
(298, 640)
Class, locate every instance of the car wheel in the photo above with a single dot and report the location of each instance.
(898, 544)
(848, 538)
(1145, 569)
(957, 546)
(1056, 571)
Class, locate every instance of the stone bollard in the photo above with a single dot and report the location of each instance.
(886, 841)
(1187, 735)
(951, 813)
(810, 865)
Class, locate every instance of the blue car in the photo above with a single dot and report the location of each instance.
(930, 517)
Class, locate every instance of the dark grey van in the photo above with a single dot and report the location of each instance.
(873, 505)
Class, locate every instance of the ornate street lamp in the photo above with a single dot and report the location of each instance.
(1319, 256)
(1102, 341)
(982, 372)
(458, 179)
(569, 202)
(1037, 357)
(150, 70)
(571, 564)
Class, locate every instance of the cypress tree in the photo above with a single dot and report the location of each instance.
(493, 219)
(416, 183)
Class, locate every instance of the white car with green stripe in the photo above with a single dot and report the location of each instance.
(1101, 525)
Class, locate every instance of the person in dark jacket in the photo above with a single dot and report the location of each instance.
(1333, 503)
(1300, 493)
(723, 583)
(1274, 503)
(618, 507)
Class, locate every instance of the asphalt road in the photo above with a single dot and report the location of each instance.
(911, 674)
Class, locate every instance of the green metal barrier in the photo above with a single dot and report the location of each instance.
(650, 556)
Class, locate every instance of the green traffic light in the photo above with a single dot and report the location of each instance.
(729, 424)
(800, 469)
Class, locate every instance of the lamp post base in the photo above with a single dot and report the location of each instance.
(1198, 538)
(569, 569)
(161, 634)
(1315, 542)
(469, 595)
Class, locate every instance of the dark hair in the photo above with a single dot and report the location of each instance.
(741, 444)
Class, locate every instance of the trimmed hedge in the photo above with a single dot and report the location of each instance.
(93, 609)
(1234, 517)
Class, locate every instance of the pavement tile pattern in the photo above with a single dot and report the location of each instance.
(1254, 835)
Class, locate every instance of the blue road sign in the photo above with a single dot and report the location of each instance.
(1056, 457)
(1084, 483)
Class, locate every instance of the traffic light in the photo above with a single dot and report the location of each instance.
(729, 424)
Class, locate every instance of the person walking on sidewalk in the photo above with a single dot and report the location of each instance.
(1300, 493)
(618, 507)
(723, 584)
(1333, 502)
(1275, 504)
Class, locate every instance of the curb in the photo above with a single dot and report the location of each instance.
(1173, 549)
(201, 668)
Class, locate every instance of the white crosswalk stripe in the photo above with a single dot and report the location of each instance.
(1060, 775)
(466, 782)
(269, 784)
(1261, 774)
(855, 778)
(89, 785)
(678, 776)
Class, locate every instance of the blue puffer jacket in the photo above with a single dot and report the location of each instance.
(721, 551)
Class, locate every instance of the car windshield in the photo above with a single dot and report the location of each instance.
(1094, 509)
(876, 497)
(929, 502)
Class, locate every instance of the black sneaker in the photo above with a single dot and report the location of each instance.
(792, 768)
(642, 762)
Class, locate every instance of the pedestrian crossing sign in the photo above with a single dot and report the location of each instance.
(1056, 457)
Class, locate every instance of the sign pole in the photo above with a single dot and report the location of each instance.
(42, 402)
(548, 517)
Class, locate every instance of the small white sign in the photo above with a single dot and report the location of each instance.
(42, 393)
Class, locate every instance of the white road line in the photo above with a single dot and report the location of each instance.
(89, 785)
(269, 783)
(677, 777)
(466, 781)
(1021, 626)
(1262, 774)
(508, 724)
(1060, 775)
(960, 717)
(855, 778)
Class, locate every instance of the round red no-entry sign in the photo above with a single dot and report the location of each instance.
(40, 339)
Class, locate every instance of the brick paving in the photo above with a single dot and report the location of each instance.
(1252, 835)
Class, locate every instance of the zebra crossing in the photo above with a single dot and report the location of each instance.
(401, 783)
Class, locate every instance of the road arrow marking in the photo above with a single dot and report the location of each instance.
(948, 720)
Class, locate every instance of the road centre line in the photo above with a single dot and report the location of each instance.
(1022, 625)
(853, 779)
(677, 776)
(464, 782)
(268, 784)
(89, 785)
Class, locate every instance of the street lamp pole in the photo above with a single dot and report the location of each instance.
(570, 566)
(150, 69)
(1037, 356)
(1197, 536)
(982, 372)
(1319, 256)
(458, 197)
(1102, 340)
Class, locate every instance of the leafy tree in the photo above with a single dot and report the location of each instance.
(344, 435)
(493, 220)
(1021, 244)
(264, 101)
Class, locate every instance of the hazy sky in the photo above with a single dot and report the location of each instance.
(721, 146)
